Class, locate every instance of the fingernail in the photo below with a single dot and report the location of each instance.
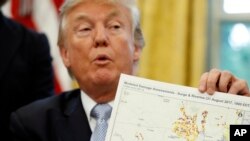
(210, 91)
(202, 88)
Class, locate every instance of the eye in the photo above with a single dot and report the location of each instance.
(116, 26)
(83, 30)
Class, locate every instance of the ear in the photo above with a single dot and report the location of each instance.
(65, 56)
(137, 53)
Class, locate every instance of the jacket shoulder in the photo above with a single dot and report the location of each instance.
(55, 103)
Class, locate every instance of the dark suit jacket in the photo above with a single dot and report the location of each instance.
(25, 69)
(57, 118)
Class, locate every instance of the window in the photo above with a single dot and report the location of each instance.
(229, 36)
(236, 6)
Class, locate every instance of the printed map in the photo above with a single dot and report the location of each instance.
(147, 110)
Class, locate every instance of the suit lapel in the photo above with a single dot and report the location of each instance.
(9, 44)
(74, 125)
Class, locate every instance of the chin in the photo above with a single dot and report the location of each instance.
(105, 77)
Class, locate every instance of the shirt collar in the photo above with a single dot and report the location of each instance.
(88, 103)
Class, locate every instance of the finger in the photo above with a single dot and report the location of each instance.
(248, 95)
(213, 79)
(203, 82)
(225, 79)
(239, 87)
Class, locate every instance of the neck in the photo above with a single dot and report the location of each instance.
(101, 94)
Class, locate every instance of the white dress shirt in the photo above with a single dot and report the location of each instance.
(88, 103)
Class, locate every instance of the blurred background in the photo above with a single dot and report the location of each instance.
(184, 38)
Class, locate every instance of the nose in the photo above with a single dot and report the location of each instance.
(101, 38)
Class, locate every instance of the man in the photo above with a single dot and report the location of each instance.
(25, 69)
(98, 40)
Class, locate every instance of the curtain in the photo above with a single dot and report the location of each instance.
(175, 35)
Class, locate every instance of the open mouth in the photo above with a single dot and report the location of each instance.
(102, 59)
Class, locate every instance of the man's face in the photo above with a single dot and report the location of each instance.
(99, 43)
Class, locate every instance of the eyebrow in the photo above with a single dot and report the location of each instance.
(112, 14)
(83, 16)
